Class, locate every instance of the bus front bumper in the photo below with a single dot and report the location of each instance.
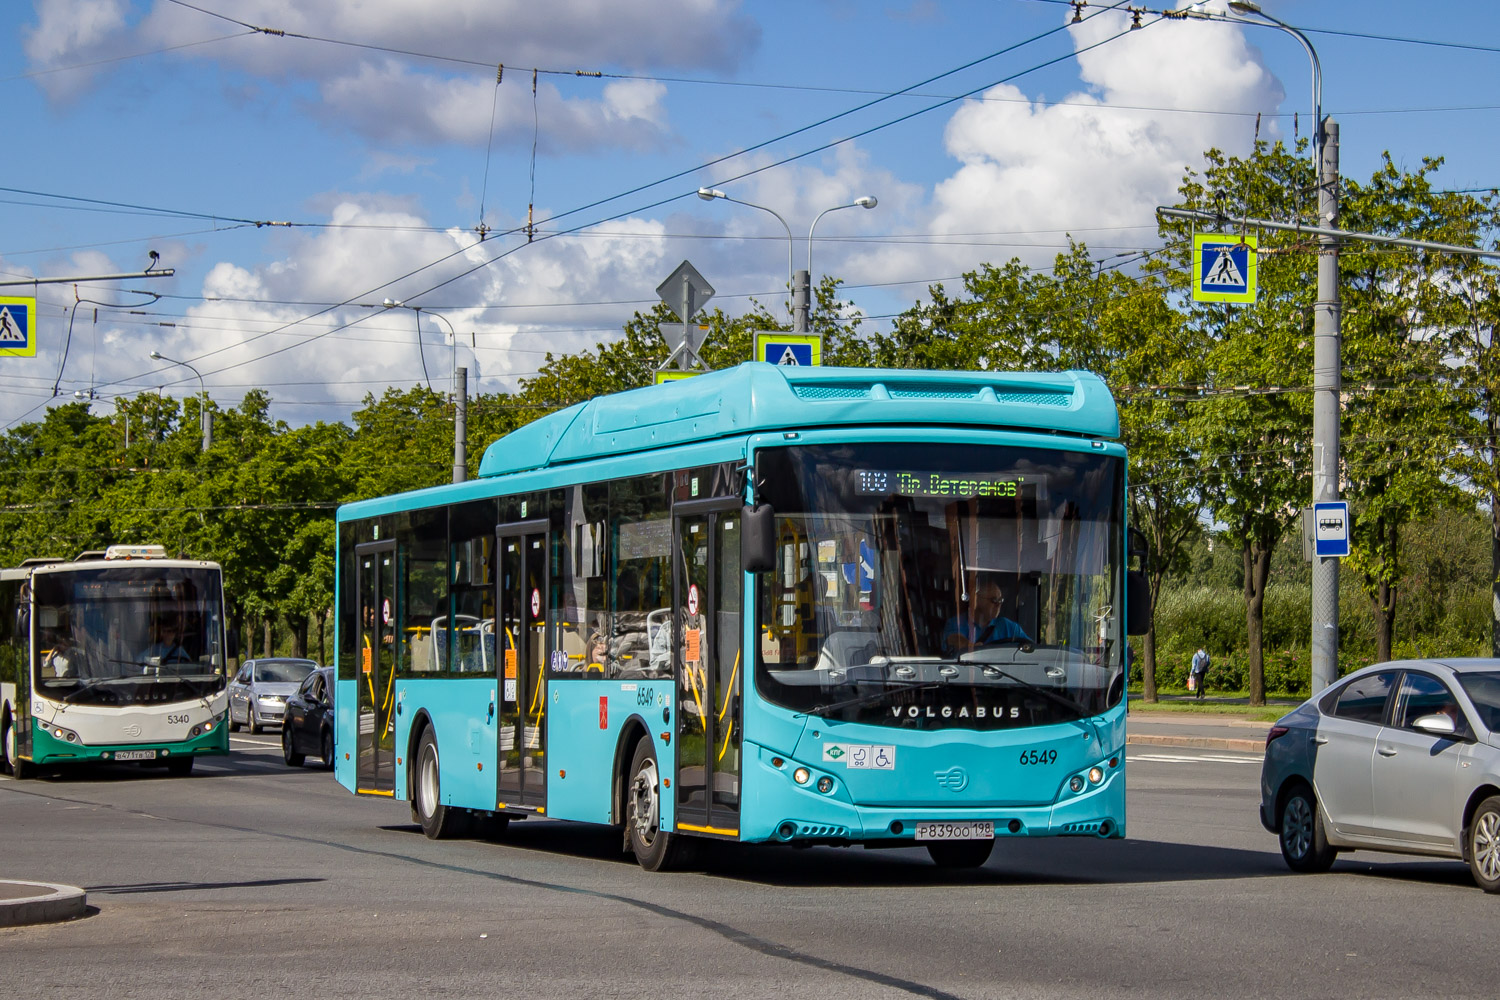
(48, 746)
(789, 812)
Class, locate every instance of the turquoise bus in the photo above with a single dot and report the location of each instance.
(765, 604)
(115, 656)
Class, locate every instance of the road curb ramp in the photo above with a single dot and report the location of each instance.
(39, 903)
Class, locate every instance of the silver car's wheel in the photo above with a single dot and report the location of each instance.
(1303, 843)
(250, 722)
(1484, 845)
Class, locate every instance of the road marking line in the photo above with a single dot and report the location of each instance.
(1185, 759)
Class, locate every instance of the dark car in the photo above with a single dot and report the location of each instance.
(308, 727)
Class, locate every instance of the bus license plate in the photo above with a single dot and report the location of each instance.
(135, 755)
(977, 830)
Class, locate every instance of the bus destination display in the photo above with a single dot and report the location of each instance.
(884, 482)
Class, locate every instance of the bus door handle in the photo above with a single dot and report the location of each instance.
(492, 714)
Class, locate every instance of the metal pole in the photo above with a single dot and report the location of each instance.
(205, 419)
(1327, 381)
(460, 424)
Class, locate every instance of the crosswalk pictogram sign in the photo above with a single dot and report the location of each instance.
(1224, 268)
(793, 350)
(17, 326)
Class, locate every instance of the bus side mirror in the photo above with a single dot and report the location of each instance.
(758, 538)
(1137, 603)
(1136, 544)
(232, 644)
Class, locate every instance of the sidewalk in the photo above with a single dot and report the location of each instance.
(1184, 729)
(39, 902)
(1211, 731)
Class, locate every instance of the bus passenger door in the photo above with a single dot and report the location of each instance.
(374, 768)
(710, 671)
(521, 638)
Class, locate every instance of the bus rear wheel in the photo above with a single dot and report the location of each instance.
(655, 849)
(439, 822)
(960, 853)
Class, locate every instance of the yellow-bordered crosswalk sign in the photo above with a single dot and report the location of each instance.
(673, 375)
(777, 347)
(1223, 268)
(17, 326)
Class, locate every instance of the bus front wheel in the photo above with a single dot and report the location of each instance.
(439, 822)
(180, 767)
(960, 853)
(654, 848)
(19, 769)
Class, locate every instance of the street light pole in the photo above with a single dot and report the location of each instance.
(802, 295)
(460, 391)
(709, 194)
(1327, 362)
(205, 418)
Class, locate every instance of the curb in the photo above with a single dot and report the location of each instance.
(45, 903)
(1199, 742)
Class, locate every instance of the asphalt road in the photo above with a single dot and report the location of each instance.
(259, 880)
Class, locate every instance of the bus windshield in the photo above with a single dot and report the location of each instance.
(128, 635)
(942, 586)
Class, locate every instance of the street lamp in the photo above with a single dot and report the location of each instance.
(1327, 361)
(798, 282)
(709, 194)
(460, 390)
(802, 296)
(205, 418)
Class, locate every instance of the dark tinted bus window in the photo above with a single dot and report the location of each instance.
(1364, 699)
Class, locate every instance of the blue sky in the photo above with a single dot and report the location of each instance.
(165, 125)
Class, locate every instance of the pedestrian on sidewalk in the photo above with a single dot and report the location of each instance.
(1198, 671)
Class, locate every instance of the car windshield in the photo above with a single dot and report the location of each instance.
(930, 586)
(283, 671)
(127, 634)
(1483, 690)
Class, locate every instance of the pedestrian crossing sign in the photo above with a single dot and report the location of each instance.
(1224, 268)
(17, 326)
(794, 350)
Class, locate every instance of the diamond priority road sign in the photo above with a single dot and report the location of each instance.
(1224, 268)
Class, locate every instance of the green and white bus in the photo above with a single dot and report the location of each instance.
(117, 655)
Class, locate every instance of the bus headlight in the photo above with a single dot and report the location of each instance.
(58, 732)
(801, 775)
(1075, 783)
(825, 784)
(1096, 774)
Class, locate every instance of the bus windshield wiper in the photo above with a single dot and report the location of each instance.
(67, 698)
(900, 686)
(1061, 699)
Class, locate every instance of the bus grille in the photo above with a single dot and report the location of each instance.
(1088, 828)
(821, 830)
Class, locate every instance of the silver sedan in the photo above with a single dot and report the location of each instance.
(258, 692)
(1401, 756)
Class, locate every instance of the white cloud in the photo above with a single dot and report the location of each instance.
(391, 97)
(1098, 160)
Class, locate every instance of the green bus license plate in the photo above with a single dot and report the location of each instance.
(977, 830)
(135, 755)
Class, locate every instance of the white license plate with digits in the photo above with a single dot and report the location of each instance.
(135, 755)
(976, 830)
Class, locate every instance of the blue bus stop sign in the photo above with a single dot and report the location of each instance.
(1331, 529)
